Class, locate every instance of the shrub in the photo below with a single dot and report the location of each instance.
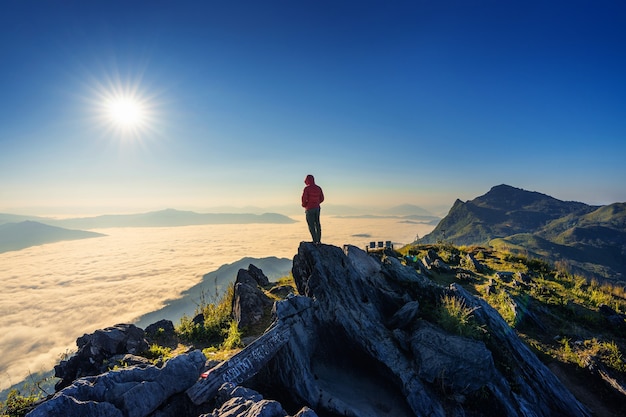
(217, 317)
(233, 336)
(159, 352)
(17, 405)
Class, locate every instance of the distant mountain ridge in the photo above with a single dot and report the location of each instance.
(162, 218)
(19, 232)
(589, 239)
(17, 236)
(173, 218)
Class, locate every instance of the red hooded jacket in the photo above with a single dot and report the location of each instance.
(312, 196)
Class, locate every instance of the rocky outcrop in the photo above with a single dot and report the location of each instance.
(128, 392)
(162, 333)
(361, 346)
(249, 300)
(95, 351)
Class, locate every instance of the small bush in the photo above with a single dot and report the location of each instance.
(17, 404)
(233, 337)
(217, 317)
(159, 352)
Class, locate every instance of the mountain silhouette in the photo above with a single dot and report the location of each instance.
(590, 240)
(162, 218)
(172, 218)
(16, 236)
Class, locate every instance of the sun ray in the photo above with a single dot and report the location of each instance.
(123, 109)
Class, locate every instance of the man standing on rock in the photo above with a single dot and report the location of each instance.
(312, 197)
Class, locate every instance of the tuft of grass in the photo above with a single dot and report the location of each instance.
(233, 337)
(456, 317)
(157, 352)
(501, 301)
(581, 353)
(287, 280)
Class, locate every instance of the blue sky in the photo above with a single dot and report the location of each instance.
(385, 102)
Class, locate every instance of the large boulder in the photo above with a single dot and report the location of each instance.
(250, 303)
(127, 392)
(95, 350)
(162, 333)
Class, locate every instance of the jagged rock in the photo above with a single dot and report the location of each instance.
(431, 256)
(249, 301)
(458, 363)
(441, 266)
(162, 333)
(615, 319)
(406, 316)
(473, 263)
(96, 348)
(344, 358)
(253, 276)
(504, 276)
(249, 304)
(523, 277)
(124, 360)
(128, 392)
(234, 401)
(356, 342)
(433, 261)
(258, 275)
(282, 291)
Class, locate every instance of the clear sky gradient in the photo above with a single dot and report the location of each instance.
(385, 102)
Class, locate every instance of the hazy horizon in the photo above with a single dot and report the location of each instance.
(287, 210)
(439, 210)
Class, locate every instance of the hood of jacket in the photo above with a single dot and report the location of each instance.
(309, 180)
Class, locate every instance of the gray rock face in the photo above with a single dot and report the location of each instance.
(129, 392)
(234, 401)
(473, 263)
(249, 301)
(94, 349)
(360, 346)
(162, 333)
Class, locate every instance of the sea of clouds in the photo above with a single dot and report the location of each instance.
(55, 293)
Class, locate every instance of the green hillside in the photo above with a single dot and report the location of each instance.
(563, 317)
(589, 240)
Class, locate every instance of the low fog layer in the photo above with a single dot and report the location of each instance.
(57, 292)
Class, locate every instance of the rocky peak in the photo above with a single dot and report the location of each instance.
(365, 348)
(360, 339)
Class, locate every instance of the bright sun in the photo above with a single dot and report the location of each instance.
(126, 112)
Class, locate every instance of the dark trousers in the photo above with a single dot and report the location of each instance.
(313, 220)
